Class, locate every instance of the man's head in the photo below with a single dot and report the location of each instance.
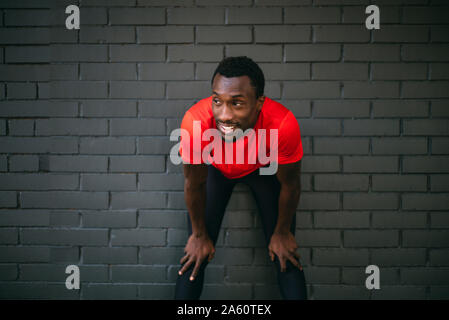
(237, 89)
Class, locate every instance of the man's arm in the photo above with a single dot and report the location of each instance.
(199, 245)
(283, 243)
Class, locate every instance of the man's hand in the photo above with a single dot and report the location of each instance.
(284, 246)
(197, 249)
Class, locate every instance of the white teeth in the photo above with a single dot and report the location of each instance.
(227, 130)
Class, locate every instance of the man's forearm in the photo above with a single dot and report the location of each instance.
(195, 198)
(288, 202)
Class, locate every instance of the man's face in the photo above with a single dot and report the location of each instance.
(234, 103)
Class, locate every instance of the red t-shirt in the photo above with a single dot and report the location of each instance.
(273, 115)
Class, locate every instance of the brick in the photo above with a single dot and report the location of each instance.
(341, 34)
(64, 237)
(204, 71)
(9, 236)
(323, 275)
(21, 127)
(136, 89)
(41, 272)
(12, 254)
(371, 127)
(137, 164)
(108, 71)
(177, 237)
(341, 219)
(137, 274)
(400, 108)
(339, 71)
(254, 15)
(286, 71)
(257, 52)
(434, 89)
(439, 257)
(75, 53)
(8, 272)
(341, 145)
(340, 109)
(166, 71)
(378, 89)
(21, 18)
(401, 33)
(311, 89)
(319, 200)
(325, 127)
(160, 255)
(23, 163)
(400, 145)
(109, 3)
(30, 72)
(439, 182)
(38, 108)
(440, 145)
(4, 163)
(64, 199)
(399, 183)
(424, 238)
(341, 182)
(74, 163)
(355, 14)
(108, 182)
(153, 181)
(439, 109)
(109, 219)
(37, 35)
(392, 71)
(25, 4)
(131, 200)
(357, 275)
(340, 257)
(39, 145)
(107, 145)
(400, 292)
(371, 52)
(158, 219)
(183, 52)
(434, 164)
(372, 238)
(399, 220)
(109, 108)
(31, 181)
(143, 237)
(126, 127)
(151, 145)
(439, 201)
(157, 291)
(188, 90)
(196, 16)
(426, 127)
(318, 238)
(321, 164)
(107, 35)
(439, 33)
(110, 292)
(73, 90)
(23, 218)
(50, 127)
(166, 34)
(425, 276)
(282, 2)
(439, 71)
(312, 52)
(105, 255)
(282, 34)
(21, 91)
(259, 274)
(223, 34)
(420, 15)
(136, 16)
(221, 292)
(363, 201)
(36, 291)
(137, 53)
(428, 52)
(438, 292)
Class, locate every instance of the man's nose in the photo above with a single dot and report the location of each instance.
(226, 114)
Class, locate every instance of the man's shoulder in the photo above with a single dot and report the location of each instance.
(201, 108)
(274, 112)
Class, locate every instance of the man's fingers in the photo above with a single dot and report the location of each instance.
(297, 255)
(185, 266)
(195, 270)
(294, 261)
(283, 265)
(184, 259)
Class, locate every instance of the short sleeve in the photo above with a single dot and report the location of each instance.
(290, 144)
(189, 150)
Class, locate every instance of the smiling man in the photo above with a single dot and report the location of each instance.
(238, 104)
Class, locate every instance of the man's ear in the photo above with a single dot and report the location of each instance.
(260, 102)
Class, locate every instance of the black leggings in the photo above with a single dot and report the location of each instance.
(265, 189)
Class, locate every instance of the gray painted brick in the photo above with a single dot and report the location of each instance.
(181, 53)
(439, 182)
(399, 183)
(158, 219)
(340, 108)
(434, 164)
(396, 71)
(312, 52)
(75, 53)
(108, 182)
(398, 33)
(132, 200)
(257, 52)
(64, 199)
(38, 108)
(107, 35)
(141, 127)
(433, 52)
(154, 145)
(197, 16)
(37, 35)
(341, 34)
(396, 220)
(9, 236)
(73, 90)
(312, 15)
(223, 34)
(438, 201)
(378, 89)
(155, 181)
(399, 257)
(364, 201)
(254, 16)
(318, 238)
(137, 53)
(439, 71)
(136, 16)
(311, 89)
(73, 163)
(110, 292)
(341, 182)
(160, 255)
(137, 274)
(21, 127)
(339, 71)
(319, 200)
(109, 219)
(38, 181)
(109, 108)
(64, 237)
(400, 145)
(105, 255)
(59, 127)
(425, 276)
(21, 90)
(341, 145)
(426, 127)
(396, 108)
(340, 256)
(108, 71)
(188, 90)
(107, 145)
(39, 145)
(439, 109)
(286, 71)
(165, 34)
(8, 272)
(24, 254)
(341, 219)
(282, 34)
(27, 54)
(371, 127)
(136, 237)
(137, 164)
(372, 238)
(370, 164)
(166, 71)
(31, 72)
(371, 52)
(136, 90)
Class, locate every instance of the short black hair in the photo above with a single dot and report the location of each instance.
(242, 66)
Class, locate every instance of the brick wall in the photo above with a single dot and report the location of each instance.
(85, 118)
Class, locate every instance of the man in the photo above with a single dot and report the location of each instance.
(237, 104)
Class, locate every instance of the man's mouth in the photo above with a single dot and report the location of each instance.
(226, 129)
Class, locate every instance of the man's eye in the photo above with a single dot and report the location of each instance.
(238, 104)
(216, 101)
